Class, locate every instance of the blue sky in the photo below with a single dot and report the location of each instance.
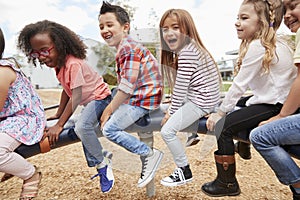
(214, 18)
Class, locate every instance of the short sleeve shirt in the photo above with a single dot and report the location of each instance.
(77, 73)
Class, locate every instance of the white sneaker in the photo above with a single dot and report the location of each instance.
(180, 176)
(149, 167)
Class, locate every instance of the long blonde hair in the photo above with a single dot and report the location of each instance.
(270, 14)
(169, 58)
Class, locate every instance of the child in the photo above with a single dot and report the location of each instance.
(61, 49)
(265, 66)
(22, 120)
(194, 80)
(139, 88)
(268, 139)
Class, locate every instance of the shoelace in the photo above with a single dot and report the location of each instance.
(144, 161)
(98, 174)
(177, 175)
(107, 161)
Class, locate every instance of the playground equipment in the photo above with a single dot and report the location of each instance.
(150, 122)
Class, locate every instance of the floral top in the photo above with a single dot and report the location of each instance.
(22, 116)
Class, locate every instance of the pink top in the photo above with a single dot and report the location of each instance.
(22, 116)
(78, 73)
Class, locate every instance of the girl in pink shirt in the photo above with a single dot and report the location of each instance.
(60, 48)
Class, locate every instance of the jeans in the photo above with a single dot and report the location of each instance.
(114, 128)
(246, 118)
(269, 138)
(185, 116)
(87, 128)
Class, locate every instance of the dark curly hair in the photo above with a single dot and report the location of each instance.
(66, 41)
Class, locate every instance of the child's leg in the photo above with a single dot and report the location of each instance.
(114, 128)
(184, 117)
(85, 129)
(11, 162)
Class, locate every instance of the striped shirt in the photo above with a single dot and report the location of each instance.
(197, 79)
(138, 74)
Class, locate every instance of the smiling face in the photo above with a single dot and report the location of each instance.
(111, 30)
(248, 22)
(292, 14)
(172, 34)
(42, 42)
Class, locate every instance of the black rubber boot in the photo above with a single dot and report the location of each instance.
(225, 184)
(296, 196)
(243, 149)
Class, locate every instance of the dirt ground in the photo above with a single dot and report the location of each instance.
(67, 176)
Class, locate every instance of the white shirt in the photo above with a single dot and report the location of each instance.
(270, 88)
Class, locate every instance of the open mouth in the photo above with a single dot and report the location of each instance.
(107, 37)
(172, 41)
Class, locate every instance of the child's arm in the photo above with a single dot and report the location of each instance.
(118, 99)
(54, 131)
(64, 98)
(7, 77)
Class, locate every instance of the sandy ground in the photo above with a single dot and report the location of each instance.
(67, 176)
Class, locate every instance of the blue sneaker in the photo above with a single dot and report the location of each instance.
(106, 176)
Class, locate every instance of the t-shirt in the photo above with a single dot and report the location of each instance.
(77, 73)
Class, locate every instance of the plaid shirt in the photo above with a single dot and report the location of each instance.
(138, 74)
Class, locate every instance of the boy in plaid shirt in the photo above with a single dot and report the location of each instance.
(139, 88)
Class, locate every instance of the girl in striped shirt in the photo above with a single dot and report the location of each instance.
(193, 78)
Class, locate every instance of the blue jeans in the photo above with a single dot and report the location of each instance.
(269, 138)
(185, 116)
(114, 128)
(87, 127)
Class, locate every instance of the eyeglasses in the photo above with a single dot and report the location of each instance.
(37, 54)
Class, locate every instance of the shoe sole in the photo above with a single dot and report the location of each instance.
(151, 176)
(192, 142)
(222, 195)
(168, 184)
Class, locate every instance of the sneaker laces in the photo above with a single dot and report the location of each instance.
(177, 175)
(144, 161)
(101, 171)
(100, 174)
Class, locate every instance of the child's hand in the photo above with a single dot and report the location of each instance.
(269, 120)
(165, 119)
(212, 120)
(105, 115)
(53, 133)
(45, 134)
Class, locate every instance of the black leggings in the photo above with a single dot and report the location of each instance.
(244, 119)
